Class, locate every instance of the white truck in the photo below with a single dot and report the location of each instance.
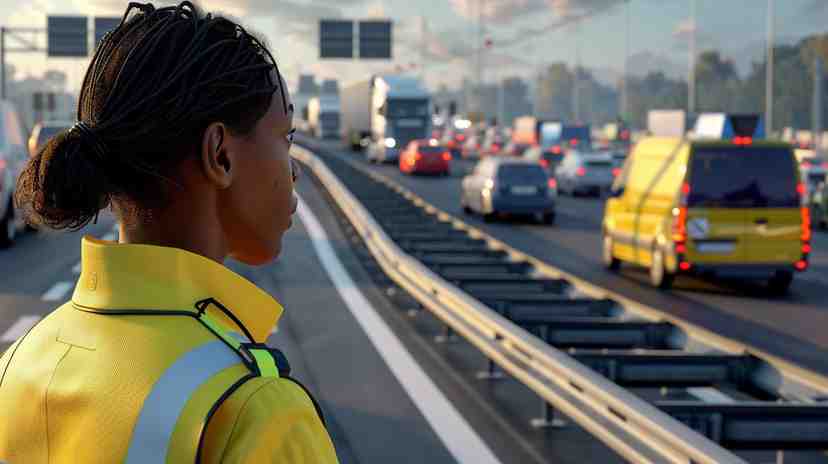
(383, 113)
(324, 112)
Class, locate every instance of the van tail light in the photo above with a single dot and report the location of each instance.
(544, 163)
(806, 224)
(801, 265)
(574, 142)
(616, 172)
(556, 150)
(680, 219)
(446, 156)
(742, 140)
(552, 183)
(580, 172)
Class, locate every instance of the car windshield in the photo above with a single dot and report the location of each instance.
(743, 178)
(430, 150)
(48, 132)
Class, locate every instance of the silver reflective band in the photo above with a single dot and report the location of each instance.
(162, 407)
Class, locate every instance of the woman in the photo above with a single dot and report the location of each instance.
(184, 130)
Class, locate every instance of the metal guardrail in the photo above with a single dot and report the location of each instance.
(635, 429)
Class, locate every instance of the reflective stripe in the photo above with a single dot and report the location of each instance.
(162, 407)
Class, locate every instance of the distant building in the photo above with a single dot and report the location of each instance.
(55, 102)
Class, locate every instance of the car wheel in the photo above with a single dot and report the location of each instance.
(489, 217)
(8, 229)
(781, 282)
(610, 261)
(660, 277)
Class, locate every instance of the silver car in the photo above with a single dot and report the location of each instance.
(585, 172)
(509, 186)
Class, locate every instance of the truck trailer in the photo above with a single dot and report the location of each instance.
(383, 113)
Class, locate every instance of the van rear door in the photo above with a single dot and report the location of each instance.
(747, 198)
(715, 221)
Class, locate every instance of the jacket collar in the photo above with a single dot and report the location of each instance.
(145, 277)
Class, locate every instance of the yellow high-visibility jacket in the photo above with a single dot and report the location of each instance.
(144, 363)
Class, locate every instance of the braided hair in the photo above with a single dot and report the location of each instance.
(152, 87)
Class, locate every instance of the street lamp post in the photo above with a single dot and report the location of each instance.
(624, 96)
(576, 98)
(769, 72)
(691, 78)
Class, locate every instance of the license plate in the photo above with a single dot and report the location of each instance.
(722, 248)
(524, 190)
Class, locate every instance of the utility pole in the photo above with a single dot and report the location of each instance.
(623, 107)
(691, 78)
(769, 72)
(576, 97)
(819, 77)
(423, 45)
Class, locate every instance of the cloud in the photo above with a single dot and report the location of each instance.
(497, 11)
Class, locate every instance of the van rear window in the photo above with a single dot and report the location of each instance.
(743, 178)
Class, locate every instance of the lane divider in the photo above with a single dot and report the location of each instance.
(58, 291)
(20, 327)
(448, 424)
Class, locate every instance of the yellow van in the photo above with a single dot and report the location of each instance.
(731, 208)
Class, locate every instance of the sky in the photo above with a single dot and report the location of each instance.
(436, 39)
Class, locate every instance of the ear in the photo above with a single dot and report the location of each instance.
(216, 156)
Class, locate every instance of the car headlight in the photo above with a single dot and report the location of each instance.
(390, 142)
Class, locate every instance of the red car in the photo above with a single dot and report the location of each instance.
(426, 157)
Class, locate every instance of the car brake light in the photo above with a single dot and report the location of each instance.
(556, 149)
(806, 247)
(684, 266)
(742, 140)
(580, 172)
(446, 156)
(2, 164)
(495, 147)
(544, 163)
(418, 157)
(574, 142)
(616, 172)
(552, 183)
(800, 189)
(801, 265)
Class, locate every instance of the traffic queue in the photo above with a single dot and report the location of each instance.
(716, 200)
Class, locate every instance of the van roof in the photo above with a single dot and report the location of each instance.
(707, 143)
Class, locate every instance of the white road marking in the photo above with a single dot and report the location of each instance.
(456, 434)
(77, 268)
(709, 395)
(58, 291)
(19, 328)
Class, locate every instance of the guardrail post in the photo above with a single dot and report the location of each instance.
(548, 419)
(446, 336)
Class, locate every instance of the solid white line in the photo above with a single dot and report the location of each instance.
(57, 292)
(452, 429)
(709, 395)
(19, 328)
(77, 268)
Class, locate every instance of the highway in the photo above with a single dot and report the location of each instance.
(790, 326)
(361, 353)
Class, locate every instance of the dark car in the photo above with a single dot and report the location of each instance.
(500, 185)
